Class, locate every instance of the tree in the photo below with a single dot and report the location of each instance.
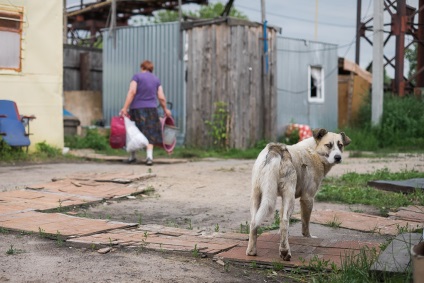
(411, 56)
(205, 12)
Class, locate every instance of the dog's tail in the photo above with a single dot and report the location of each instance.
(265, 179)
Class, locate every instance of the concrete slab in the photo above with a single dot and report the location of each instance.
(112, 177)
(405, 186)
(57, 223)
(362, 222)
(397, 256)
(305, 251)
(413, 213)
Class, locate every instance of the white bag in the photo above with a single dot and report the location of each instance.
(135, 139)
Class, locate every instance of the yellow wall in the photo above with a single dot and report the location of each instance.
(37, 89)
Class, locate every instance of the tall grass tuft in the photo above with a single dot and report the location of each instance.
(400, 128)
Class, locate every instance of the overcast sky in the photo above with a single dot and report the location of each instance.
(336, 22)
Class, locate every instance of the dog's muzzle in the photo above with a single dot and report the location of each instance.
(338, 158)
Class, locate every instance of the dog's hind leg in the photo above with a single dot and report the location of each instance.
(306, 205)
(253, 231)
(287, 192)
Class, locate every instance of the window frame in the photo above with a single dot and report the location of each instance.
(319, 98)
(13, 13)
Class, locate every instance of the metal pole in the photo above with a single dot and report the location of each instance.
(358, 30)
(420, 47)
(316, 21)
(377, 65)
(400, 47)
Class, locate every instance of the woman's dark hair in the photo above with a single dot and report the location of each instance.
(147, 66)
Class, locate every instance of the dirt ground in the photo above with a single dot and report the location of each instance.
(205, 195)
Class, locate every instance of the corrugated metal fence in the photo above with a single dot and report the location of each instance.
(126, 48)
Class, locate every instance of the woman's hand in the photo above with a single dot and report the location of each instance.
(123, 112)
(167, 112)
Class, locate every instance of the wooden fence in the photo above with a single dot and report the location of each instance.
(225, 64)
(82, 68)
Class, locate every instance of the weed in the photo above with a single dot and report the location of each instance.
(216, 228)
(4, 230)
(11, 250)
(59, 208)
(42, 232)
(244, 228)
(253, 265)
(149, 170)
(190, 226)
(140, 219)
(335, 223)
(227, 266)
(195, 252)
(218, 125)
(93, 247)
(59, 239)
(277, 266)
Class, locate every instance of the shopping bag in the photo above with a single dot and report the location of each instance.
(135, 139)
(117, 138)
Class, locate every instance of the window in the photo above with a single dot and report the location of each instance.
(315, 84)
(10, 38)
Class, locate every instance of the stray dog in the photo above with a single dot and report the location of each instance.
(291, 172)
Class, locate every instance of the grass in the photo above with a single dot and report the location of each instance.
(352, 188)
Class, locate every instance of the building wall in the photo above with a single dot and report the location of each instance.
(293, 58)
(37, 89)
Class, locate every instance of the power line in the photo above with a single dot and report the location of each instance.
(298, 19)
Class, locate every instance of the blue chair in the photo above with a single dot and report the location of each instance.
(13, 126)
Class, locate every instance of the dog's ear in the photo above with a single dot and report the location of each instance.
(319, 133)
(346, 140)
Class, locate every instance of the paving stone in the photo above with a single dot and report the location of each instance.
(38, 200)
(160, 237)
(362, 222)
(52, 223)
(413, 213)
(304, 250)
(397, 256)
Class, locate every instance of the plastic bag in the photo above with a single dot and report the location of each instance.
(135, 139)
(118, 136)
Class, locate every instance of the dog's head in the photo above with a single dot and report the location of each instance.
(330, 145)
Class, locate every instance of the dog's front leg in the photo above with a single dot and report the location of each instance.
(253, 236)
(306, 205)
(287, 206)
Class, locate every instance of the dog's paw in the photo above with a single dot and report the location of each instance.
(285, 254)
(251, 252)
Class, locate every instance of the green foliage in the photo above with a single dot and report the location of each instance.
(352, 188)
(43, 149)
(400, 128)
(213, 10)
(411, 56)
(93, 139)
(218, 125)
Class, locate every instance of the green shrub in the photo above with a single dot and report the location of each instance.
(401, 125)
(43, 149)
(93, 139)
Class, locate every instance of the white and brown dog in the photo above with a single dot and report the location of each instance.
(294, 171)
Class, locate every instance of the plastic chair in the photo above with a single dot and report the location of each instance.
(13, 126)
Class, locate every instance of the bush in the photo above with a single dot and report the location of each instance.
(401, 125)
(93, 139)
